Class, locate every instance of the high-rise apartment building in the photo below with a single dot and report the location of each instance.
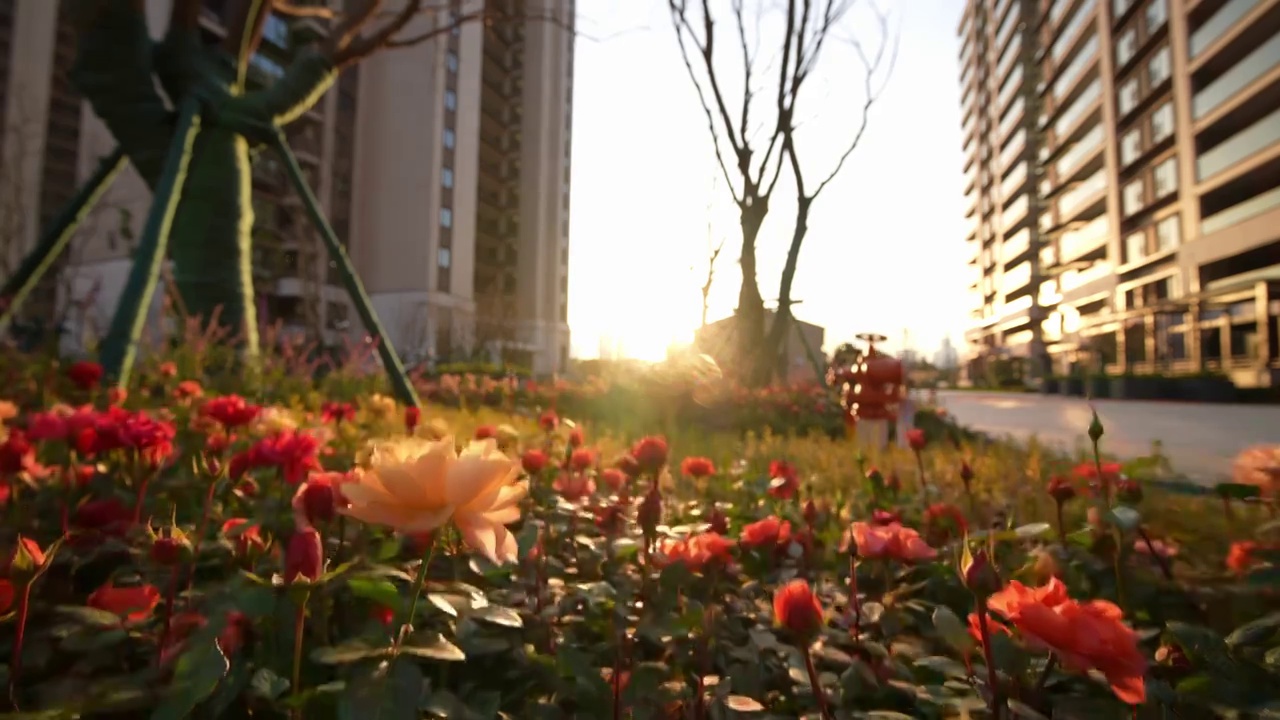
(443, 167)
(1123, 182)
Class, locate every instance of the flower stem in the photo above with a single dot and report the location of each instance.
(817, 686)
(204, 528)
(990, 660)
(924, 482)
(1160, 560)
(1062, 525)
(1044, 676)
(299, 629)
(418, 584)
(15, 661)
(853, 598)
(169, 600)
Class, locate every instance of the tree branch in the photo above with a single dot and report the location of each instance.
(679, 19)
(872, 93)
(747, 60)
(350, 26)
(361, 47)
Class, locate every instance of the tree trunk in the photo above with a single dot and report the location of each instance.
(770, 360)
(750, 312)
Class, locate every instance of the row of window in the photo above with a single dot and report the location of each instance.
(1138, 245)
(1134, 36)
(1134, 198)
(1159, 68)
(1157, 128)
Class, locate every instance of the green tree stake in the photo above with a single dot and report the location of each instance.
(121, 344)
(364, 308)
(57, 235)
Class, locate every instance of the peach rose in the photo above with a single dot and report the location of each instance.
(415, 485)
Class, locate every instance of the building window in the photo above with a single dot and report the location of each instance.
(1166, 177)
(1157, 14)
(1120, 7)
(1162, 123)
(451, 61)
(1131, 146)
(1128, 96)
(449, 138)
(446, 217)
(1135, 246)
(446, 177)
(1126, 46)
(1133, 197)
(1160, 67)
(1168, 234)
(450, 100)
(444, 279)
(443, 257)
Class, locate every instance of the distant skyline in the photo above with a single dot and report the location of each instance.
(885, 249)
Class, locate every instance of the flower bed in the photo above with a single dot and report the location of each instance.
(174, 552)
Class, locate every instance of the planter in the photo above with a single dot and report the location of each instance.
(1072, 386)
(1139, 387)
(1050, 386)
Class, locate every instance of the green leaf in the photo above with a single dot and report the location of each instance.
(742, 704)
(943, 666)
(1237, 491)
(195, 677)
(391, 691)
(1255, 633)
(887, 715)
(1126, 518)
(267, 685)
(1023, 710)
(88, 641)
(1032, 530)
(348, 652)
(91, 616)
(499, 615)
(434, 647)
(380, 592)
(952, 630)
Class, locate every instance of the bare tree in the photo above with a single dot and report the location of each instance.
(809, 26)
(711, 274)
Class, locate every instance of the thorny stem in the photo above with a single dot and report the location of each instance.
(1160, 559)
(924, 481)
(616, 680)
(1062, 524)
(990, 660)
(817, 686)
(418, 584)
(170, 597)
(15, 660)
(853, 598)
(204, 528)
(299, 628)
(1044, 676)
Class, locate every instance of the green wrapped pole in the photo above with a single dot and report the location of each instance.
(121, 344)
(57, 235)
(390, 360)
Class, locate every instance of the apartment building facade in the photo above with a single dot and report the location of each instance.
(443, 168)
(1123, 176)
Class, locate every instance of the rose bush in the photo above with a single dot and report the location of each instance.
(186, 550)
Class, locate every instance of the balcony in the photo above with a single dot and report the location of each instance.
(1257, 140)
(1257, 64)
(1084, 195)
(1236, 214)
(1213, 30)
(1083, 61)
(1082, 151)
(1084, 239)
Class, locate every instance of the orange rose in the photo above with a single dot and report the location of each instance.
(767, 533)
(797, 609)
(695, 551)
(130, 603)
(890, 542)
(1240, 559)
(1085, 636)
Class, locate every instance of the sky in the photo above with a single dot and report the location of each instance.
(885, 250)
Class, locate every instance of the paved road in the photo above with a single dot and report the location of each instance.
(1199, 439)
